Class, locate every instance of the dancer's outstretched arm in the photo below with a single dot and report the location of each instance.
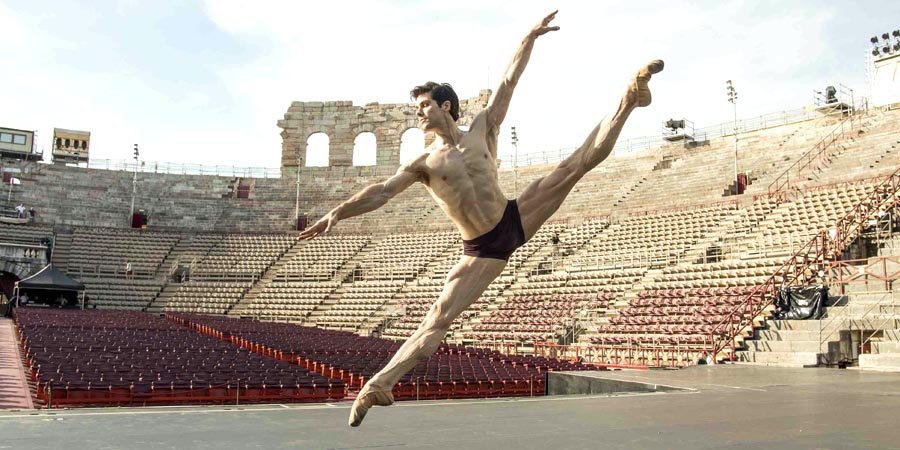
(499, 102)
(369, 199)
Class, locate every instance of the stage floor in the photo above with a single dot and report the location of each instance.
(725, 406)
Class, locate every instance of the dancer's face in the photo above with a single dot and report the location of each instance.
(429, 113)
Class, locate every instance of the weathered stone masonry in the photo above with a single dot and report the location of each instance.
(342, 122)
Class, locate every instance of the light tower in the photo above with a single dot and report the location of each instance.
(732, 97)
(134, 184)
(515, 143)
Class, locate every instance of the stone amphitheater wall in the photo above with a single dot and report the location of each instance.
(648, 180)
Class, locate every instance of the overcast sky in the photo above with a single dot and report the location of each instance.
(206, 81)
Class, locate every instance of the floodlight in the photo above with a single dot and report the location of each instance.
(886, 49)
(885, 36)
(874, 40)
(897, 47)
(830, 93)
(674, 124)
(875, 51)
(895, 33)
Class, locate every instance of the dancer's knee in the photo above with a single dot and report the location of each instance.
(439, 324)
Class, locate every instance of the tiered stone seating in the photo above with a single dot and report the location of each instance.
(659, 238)
(547, 304)
(242, 256)
(359, 302)
(404, 256)
(601, 190)
(577, 237)
(110, 293)
(532, 318)
(873, 152)
(104, 253)
(290, 300)
(665, 188)
(730, 273)
(794, 223)
(207, 297)
(541, 239)
(593, 281)
(198, 246)
(667, 317)
(319, 259)
(24, 234)
(418, 298)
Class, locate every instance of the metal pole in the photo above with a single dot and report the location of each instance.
(297, 197)
(133, 184)
(515, 142)
(732, 97)
(736, 184)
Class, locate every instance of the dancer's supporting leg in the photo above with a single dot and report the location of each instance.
(465, 283)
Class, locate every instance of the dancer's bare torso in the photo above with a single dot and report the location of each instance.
(462, 179)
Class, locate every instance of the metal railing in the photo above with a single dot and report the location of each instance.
(805, 264)
(181, 168)
(633, 357)
(862, 272)
(868, 321)
(627, 146)
(815, 157)
(871, 276)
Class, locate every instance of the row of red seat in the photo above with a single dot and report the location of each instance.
(453, 371)
(93, 357)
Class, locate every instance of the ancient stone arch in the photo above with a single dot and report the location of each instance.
(342, 122)
(20, 269)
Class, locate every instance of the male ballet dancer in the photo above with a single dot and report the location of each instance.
(459, 170)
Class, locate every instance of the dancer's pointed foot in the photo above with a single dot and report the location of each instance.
(640, 88)
(366, 399)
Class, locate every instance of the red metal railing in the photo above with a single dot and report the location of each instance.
(506, 348)
(881, 270)
(807, 261)
(631, 357)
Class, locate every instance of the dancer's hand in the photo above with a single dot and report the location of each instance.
(543, 28)
(321, 226)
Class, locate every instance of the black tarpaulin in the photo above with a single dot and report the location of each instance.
(800, 302)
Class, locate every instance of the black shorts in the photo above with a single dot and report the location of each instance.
(503, 240)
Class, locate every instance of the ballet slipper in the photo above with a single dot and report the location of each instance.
(642, 80)
(366, 399)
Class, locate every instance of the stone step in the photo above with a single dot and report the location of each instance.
(783, 359)
(880, 361)
(812, 346)
(863, 310)
(887, 347)
(869, 298)
(797, 335)
(892, 335)
(807, 325)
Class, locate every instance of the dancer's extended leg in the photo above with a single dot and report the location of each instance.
(544, 196)
(465, 283)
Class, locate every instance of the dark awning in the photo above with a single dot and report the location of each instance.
(50, 278)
